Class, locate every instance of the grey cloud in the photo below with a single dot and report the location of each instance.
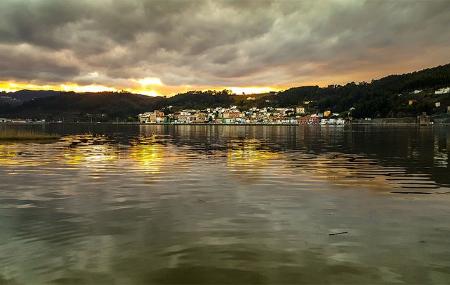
(29, 63)
(223, 43)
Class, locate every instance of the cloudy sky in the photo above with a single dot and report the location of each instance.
(165, 47)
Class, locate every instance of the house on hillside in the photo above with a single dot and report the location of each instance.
(309, 120)
(186, 117)
(442, 91)
(155, 117)
(232, 116)
(200, 118)
(300, 110)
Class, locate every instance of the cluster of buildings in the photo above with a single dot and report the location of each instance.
(232, 115)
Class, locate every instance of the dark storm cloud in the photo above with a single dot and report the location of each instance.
(24, 62)
(224, 43)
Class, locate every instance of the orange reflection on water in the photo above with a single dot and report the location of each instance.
(8, 155)
(343, 170)
(90, 156)
(19, 154)
(248, 158)
(88, 151)
(149, 155)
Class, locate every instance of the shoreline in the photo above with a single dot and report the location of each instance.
(227, 124)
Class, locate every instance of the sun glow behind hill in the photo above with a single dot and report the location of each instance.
(146, 86)
(7, 86)
(252, 90)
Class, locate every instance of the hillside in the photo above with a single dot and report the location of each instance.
(103, 106)
(390, 96)
(386, 97)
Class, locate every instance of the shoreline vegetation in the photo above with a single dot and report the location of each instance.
(26, 135)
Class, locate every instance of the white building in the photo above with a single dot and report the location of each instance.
(300, 110)
(4, 120)
(155, 117)
(442, 91)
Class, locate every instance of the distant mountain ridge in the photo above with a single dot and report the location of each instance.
(390, 96)
(28, 95)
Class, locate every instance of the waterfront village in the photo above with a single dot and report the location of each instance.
(232, 115)
(300, 115)
(306, 114)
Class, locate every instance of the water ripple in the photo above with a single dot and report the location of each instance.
(218, 204)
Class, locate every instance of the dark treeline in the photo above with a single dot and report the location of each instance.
(386, 97)
(392, 96)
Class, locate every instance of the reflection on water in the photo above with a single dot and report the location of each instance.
(226, 204)
(248, 160)
(149, 154)
(88, 155)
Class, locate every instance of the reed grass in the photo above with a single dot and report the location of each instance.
(26, 135)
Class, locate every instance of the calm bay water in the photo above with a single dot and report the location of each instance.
(226, 204)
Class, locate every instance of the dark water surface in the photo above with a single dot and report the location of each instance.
(226, 204)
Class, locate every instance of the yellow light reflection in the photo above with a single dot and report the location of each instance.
(149, 157)
(338, 171)
(246, 157)
(92, 157)
(13, 154)
(89, 152)
(8, 155)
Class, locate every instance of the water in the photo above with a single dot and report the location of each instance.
(112, 204)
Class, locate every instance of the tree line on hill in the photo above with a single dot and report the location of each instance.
(392, 96)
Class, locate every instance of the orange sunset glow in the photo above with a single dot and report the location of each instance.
(145, 86)
(243, 46)
(224, 142)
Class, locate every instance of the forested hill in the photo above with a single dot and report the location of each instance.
(103, 106)
(386, 97)
(392, 96)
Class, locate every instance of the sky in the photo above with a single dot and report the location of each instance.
(253, 46)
